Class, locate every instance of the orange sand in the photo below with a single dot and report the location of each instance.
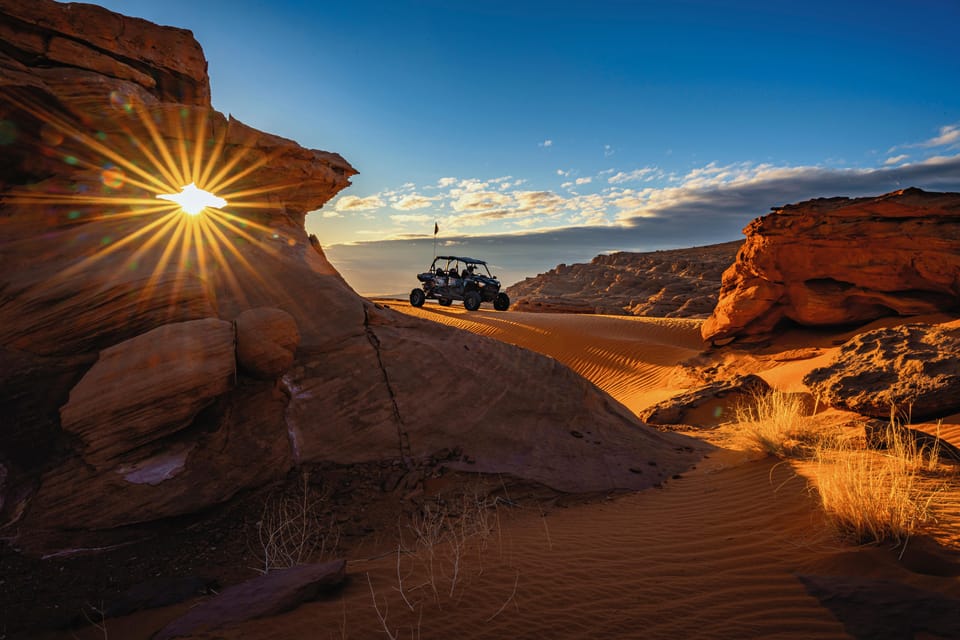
(715, 553)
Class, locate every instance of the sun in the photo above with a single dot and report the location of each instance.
(193, 200)
(193, 228)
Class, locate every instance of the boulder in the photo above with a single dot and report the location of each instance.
(273, 593)
(838, 261)
(913, 370)
(707, 405)
(238, 442)
(148, 387)
(677, 283)
(266, 342)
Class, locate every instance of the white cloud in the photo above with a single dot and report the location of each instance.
(446, 182)
(412, 201)
(330, 213)
(580, 181)
(631, 176)
(539, 201)
(895, 159)
(608, 151)
(565, 174)
(948, 135)
(546, 144)
(480, 200)
(353, 203)
(471, 184)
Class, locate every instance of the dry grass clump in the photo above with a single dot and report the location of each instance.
(442, 550)
(868, 495)
(879, 496)
(292, 528)
(777, 423)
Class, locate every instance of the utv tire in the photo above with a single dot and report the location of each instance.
(501, 302)
(471, 300)
(417, 297)
(445, 302)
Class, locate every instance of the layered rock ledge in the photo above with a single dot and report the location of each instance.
(842, 261)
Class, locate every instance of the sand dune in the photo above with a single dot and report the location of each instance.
(729, 549)
(634, 359)
(698, 559)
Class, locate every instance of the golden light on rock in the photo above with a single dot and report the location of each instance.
(193, 200)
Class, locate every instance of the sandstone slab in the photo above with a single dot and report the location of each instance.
(267, 595)
(912, 370)
(150, 386)
(836, 261)
(707, 405)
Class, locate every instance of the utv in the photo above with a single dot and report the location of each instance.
(446, 282)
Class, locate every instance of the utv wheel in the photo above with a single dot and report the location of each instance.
(445, 302)
(501, 302)
(417, 297)
(471, 300)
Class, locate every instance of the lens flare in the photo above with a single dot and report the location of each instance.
(193, 199)
(112, 177)
(149, 200)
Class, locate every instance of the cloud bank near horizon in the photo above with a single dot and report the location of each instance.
(524, 231)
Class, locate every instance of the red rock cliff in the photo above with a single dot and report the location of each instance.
(834, 261)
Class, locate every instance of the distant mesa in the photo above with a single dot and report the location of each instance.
(842, 261)
(677, 283)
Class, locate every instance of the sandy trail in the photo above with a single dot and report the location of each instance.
(713, 555)
(721, 552)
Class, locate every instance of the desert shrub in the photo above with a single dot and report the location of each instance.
(293, 529)
(867, 495)
(878, 496)
(441, 551)
(777, 423)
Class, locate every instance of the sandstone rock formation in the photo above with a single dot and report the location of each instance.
(267, 340)
(150, 386)
(197, 356)
(833, 261)
(681, 283)
(913, 369)
(708, 405)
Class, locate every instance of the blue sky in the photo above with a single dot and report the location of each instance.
(537, 133)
